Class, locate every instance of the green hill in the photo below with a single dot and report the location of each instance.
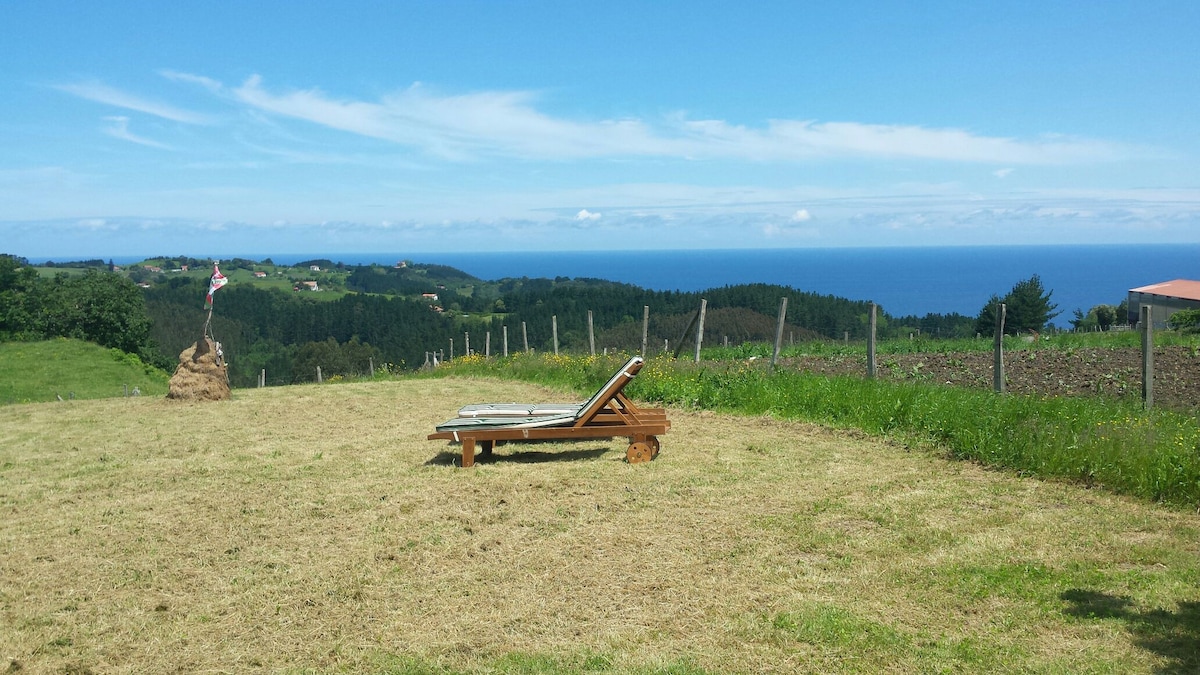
(43, 371)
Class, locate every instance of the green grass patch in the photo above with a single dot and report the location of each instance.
(45, 371)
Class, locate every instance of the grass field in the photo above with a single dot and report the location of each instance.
(314, 529)
(48, 370)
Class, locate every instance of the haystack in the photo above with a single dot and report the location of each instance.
(201, 374)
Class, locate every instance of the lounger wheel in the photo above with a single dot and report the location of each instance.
(639, 451)
(655, 446)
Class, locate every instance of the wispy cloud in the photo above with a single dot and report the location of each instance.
(471, 126)
(508, 123)
(188, 78)
(457, 127)
(584, 214)
(118, 127)
(102, 93)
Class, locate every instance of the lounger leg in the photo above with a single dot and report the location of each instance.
(468, 452)
(485, 447)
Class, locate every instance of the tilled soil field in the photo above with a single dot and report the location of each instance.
(1049, 372)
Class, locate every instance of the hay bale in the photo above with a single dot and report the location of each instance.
(201, 374)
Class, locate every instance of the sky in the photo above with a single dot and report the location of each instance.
(146, 128)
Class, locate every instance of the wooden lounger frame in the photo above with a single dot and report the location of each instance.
(608, 414)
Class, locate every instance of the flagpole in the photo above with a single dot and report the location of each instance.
(208, 321)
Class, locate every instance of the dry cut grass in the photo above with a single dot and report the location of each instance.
(314, 529)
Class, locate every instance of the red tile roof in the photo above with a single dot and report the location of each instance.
(1179, 288)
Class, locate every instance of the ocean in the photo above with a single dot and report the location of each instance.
(903, 281)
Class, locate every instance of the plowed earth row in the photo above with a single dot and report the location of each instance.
(1047, 372)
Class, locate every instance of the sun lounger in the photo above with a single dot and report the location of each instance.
(607, 414)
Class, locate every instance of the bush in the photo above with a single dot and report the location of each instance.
(1186, 320)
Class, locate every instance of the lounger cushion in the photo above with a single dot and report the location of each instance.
(518, 409)
(478, 423)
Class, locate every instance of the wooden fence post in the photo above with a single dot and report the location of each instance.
(871, 330)
(504, 339)
(779, 332)
(998, 349)
(1147, 319)
(487, 345)
(451, 349)
(591, 335)
(700, 328)
(525, 337)
(645, 327)
(371, 366)
(466, 344)
(319, 379)
(554, 331)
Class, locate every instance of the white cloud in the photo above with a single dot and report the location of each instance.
(777, 231)
(466, 126)
(587, 215)
(101, 93)
(206, 82)
(118, 127)
(456, 127)
(1002, 173)
(801, 216)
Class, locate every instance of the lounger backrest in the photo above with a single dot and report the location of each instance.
(613, 387)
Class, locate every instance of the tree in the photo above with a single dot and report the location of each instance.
(985, 323)
(99, 307)
(1028, 308)
(349, 358)
(19, 298)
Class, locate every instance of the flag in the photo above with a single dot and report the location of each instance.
(218, 280)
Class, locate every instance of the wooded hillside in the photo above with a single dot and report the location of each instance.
(393, 317)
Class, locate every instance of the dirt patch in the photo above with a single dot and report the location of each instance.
(1045, 372)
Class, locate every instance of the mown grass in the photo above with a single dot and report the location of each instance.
(314, 529)
(1094, 441)
(66, 368)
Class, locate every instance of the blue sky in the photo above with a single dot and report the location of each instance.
(138, 128)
